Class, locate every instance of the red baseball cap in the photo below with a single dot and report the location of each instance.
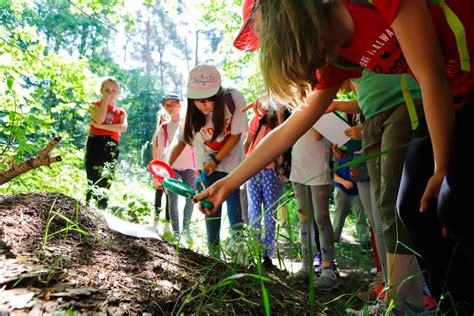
(246, 39)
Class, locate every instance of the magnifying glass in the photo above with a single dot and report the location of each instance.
(160, 170)
(185, 190)
(164, 173)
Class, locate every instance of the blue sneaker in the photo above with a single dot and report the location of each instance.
(318, 264)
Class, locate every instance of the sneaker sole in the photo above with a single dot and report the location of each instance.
(330, 289)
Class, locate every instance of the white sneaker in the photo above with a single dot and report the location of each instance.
(327, 280)
(300, 276)
(379, 309)
(374, 271)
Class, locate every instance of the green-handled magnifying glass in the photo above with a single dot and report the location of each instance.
(185, 190)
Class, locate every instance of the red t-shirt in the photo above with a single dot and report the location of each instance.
(374, 45)
(112, 117)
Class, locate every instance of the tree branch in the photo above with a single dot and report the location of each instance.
(42, 159)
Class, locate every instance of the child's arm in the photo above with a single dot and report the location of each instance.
(346, 183)
(154, 147)
(274, 144)
(428, 67)
(98, 113)
(175, 151)
(248, 141)
(159, 145)
(120, 127)
(354, 132)
(316, 135)
(347, 106)
(230, 143)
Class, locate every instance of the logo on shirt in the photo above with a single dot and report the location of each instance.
(387, 51)
(109, 118)
(219, 142)
(377, 45)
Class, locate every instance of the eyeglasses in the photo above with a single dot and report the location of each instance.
(171, 104)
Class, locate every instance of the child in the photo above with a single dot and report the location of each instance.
(346, 197)
(213, 126)
(161, 117)
(388, 124)
(262, 188)
(378, 35)
(102, 148)
(183, 166)
(311, 181)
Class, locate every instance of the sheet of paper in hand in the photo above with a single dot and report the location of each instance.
(332, 127)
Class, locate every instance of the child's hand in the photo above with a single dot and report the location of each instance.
(106, 95)
(95, 124)
(432, 189)
(216, 193)
(337, 152)
(157, 184)
(210, 166)
(256, 106)
(348, 184)
(109, 95)
(354, 132)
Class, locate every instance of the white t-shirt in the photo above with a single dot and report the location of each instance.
(310, 160)
(185, 159)
(235, 123)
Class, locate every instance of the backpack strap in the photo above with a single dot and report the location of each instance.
(229, 100)
(165, 129)
(260, 124)
(409, 102)
(459, 33)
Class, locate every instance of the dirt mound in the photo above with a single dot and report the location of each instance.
(58, 255)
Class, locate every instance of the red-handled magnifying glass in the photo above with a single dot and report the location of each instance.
(160, 170)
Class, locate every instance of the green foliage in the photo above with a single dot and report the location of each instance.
(131, 194)
(141, 107)
(76, 26)
(135, 209)
(43, 94)
(240, 68)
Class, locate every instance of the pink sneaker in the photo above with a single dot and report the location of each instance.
(376, 292)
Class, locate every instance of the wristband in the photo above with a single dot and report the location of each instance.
(214, 158)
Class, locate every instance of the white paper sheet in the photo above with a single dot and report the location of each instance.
(130, 229)
(332, 127)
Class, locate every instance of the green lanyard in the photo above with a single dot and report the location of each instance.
(459, 33)
(409, 102)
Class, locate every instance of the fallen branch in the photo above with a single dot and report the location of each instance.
(42, 159)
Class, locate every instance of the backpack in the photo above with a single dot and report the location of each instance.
(165, 129)
(229, 100)
(283, 162)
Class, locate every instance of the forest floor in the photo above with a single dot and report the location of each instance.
(59, 257)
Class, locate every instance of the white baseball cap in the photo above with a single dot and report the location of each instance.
(204, 81)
